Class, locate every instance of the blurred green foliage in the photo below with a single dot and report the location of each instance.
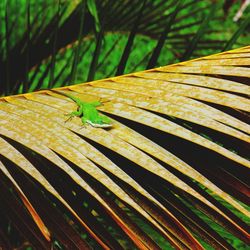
(39, 46)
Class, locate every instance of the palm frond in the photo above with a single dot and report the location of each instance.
(178, 147)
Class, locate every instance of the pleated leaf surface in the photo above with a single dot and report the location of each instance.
(175, 160)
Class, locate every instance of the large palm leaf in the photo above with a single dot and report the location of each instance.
(178, 145)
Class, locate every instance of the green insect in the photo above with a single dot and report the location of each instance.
(88, 112)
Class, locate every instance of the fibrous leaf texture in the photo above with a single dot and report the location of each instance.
(175, 159)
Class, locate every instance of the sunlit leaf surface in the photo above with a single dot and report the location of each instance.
(178, 146)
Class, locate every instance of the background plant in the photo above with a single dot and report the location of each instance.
(48, 44)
